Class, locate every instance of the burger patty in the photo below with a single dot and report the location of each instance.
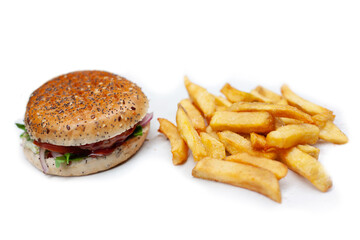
(101, 148)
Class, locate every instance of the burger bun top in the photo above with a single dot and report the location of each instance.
(84, 107)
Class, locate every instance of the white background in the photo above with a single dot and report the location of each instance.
(314, 46)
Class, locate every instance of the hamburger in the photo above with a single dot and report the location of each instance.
(84, 122)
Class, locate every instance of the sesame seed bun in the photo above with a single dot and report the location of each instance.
(90, 165)
(84, 107)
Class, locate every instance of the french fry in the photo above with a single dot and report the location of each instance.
(258, 142)
(276, 167)
(268, 96)
(204, 100)
(243, 122)
(292, 135)
(288, 121)
(302, 104)
(235, 143)
(320, 119)
(222, 102)
(311, 150)
(189, 134)
(235, 95)
(214, 147)
(221, 109)
(194, 114)
(306, 166)
(179, 148)
(210, 131)
(276, 110)
(279, 122)
(241, 175)
(331, 133)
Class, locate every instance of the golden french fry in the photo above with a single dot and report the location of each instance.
(221, 109)
(278, 122)
(194, 114)
(292, 135)
(241, 175)
(222, 102)
(302, 104)
(243, 122)
(306, 166)
(204, 100)
(276, 167)
(288, 121)
(276, 110)
(268, 96)
(235, 95)
(189, 134)
(179, 148)
(331, 133)
(258, 142)
(235, 143)
(210, 131)
(320, 119)
(214, 147)
(311, 150)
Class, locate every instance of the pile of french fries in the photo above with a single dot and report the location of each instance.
(250, 139)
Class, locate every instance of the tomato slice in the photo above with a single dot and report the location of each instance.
(61, 149)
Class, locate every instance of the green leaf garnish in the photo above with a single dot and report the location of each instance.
(25, 135)
(66, 158)
(21, 126)
(58, 162)
(138, 131)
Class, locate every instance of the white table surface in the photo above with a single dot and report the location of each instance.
(313, 46)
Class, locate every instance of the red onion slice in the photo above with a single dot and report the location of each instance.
(108, 143)
(146, 119)
(42, 160)
(55, 154)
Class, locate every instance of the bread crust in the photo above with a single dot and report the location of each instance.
(84, 107)
(91, 165)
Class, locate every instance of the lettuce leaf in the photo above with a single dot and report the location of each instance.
(21, 126)
(66, 158)
(138, 131)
